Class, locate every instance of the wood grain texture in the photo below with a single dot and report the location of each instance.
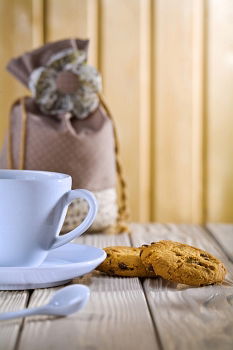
(38, 30)
(223, 233)
(167, 74)
(75, 19)
(177, 111)
(145, 154)
(9, 330)
(219, 105)
(198, 203)
(125, 65)
(186, 317)
(15, 38)
(93, 31)
(62, 22)
(116, 316)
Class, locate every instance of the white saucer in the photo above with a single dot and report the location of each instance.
(61, 266)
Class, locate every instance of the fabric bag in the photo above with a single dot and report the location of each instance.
(66, 127)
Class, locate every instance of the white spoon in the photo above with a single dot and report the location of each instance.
(64, 302)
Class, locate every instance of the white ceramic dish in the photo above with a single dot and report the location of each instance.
(61, 266)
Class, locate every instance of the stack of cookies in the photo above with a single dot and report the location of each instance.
(173, 261)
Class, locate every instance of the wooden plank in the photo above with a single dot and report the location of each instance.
(177, 110)
(9, 330)
(116, 316)
(84, 23)
(198, 116)
(15, 38)
(219, 108)
(93, 31)
(186, 317)
(145, 61)
(37, 23)
(156, 64)
(57, 12)
(125, 65)
(223, 233)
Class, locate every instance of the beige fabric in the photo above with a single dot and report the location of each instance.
(86, 149)
(83, 149)
(106, 216)
(21, 67)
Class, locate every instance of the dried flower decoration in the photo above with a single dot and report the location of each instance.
(66, 84)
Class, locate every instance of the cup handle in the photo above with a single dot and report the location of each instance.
(90, 198)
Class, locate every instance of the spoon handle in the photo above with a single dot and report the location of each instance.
(20, 313)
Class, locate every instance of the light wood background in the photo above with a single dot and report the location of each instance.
(167, 69)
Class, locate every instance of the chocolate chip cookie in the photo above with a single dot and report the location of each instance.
(182, 263)
(124, 261)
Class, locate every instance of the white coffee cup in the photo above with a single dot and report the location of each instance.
(33, 205)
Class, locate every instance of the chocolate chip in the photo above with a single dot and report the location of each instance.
(178, 254)
(199, 263)
(150, 268)
(123, 266)
(202, 264)
(211, 268)
(205, 256)
(192, 260)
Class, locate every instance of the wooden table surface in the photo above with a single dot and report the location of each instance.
(132, 313)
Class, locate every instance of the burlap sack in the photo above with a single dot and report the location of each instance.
(86, 149)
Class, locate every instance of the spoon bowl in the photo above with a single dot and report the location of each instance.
(68, 300)
(63, 303)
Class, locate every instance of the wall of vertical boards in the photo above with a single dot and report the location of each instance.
(167, 68)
